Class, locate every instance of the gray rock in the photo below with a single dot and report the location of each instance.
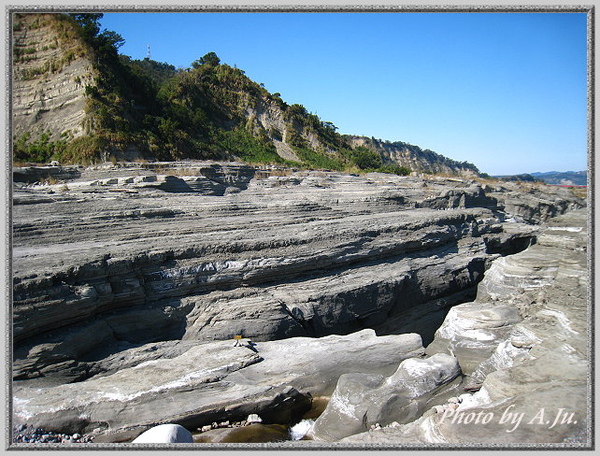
(306, 263)
(364, 400)
(534, 388)
(198, 384)
(472, 331)
(106, 278)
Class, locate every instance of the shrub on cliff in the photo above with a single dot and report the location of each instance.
(39, 150)
(365, 158)
(394, 169)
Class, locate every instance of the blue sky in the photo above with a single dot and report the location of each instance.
(505, 91)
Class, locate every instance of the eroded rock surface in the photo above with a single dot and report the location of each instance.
(126, 255)
(153, 263)
(199, 383)
(363, 400)
(525, 343)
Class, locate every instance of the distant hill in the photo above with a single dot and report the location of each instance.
(563, 178)
(552, 177)
(77, 100)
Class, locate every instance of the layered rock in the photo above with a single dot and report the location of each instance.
(195, 384)
(525, 345)
(151, 263)
(126, 255)
(50, 74)
(364, 400)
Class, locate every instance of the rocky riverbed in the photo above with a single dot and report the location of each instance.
(195, 293)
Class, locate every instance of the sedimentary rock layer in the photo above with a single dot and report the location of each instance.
(525, 345)
(130, 283)
(50, 75)
(121, 256)
(196, 384)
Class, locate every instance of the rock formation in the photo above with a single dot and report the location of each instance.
(130, 283)
(50, 74)
(363, 400)
(196, 384)
(524, 344)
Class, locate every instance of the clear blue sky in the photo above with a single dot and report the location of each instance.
(505, 91)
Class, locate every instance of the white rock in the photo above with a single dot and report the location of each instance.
(165, 433)
(253, 418)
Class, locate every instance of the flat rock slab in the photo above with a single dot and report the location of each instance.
(210, 382)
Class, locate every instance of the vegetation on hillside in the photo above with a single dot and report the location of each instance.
(207, 111)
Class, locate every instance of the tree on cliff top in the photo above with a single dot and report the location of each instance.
(211, 59)
(105, 43)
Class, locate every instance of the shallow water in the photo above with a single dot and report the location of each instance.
(300, 430)
(265, 433)
(253, 433)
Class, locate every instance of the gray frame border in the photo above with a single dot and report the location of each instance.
(590, 12)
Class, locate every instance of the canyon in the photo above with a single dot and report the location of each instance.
(193, 292)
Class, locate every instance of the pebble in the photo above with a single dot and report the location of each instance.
(24, 434)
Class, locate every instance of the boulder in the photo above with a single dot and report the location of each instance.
(165, 433)
(363, 400)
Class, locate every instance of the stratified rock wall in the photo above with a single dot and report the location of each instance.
(204, 251)
(525, 346)
(50, 74)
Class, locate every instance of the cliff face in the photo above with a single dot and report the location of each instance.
(50, 72)
(414, 157)
(72, 85)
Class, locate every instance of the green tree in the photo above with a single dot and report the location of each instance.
(365, 158)
(89, 22)
(210, 59)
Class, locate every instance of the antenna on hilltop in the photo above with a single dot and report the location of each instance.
(148, 53)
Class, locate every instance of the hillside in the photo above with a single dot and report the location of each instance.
(51, 68)
(563, 178)
(413, 156)
(77, 100)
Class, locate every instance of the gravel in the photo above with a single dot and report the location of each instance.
(27, 434)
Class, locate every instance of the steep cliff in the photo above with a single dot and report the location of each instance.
(51, 67)
(414, 157)
(75, 99)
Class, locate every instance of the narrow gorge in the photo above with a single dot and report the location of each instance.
(201, 292)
